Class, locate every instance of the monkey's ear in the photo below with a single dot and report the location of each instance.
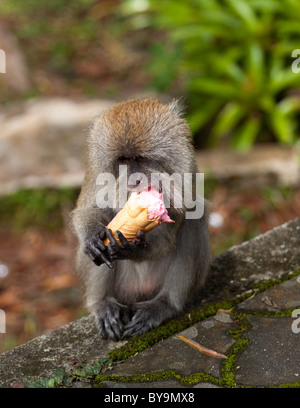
(177, 107)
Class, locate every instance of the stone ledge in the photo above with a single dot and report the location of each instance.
(269, 256)
(42, 355)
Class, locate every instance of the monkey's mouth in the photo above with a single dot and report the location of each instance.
(159, 188)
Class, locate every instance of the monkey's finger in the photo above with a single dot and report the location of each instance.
(139, 324)
(101, 329)
(105, 260)
(123, 240)
(102, 232)
(141, 235)
(140, 239)
(136, 330)
(100, 244)
(111, 238)
(108, 263)
(95, 254)
(90, 254)
(113, 327)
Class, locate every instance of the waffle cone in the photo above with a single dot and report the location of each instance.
(131, 219)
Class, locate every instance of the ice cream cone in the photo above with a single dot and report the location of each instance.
(142, 212)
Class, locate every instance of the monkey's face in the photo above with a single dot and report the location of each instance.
(142, 174)
(135, 173)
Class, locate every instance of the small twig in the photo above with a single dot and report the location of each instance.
(200, 348)
(224, 311)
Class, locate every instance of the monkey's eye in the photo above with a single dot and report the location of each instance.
(123, 159)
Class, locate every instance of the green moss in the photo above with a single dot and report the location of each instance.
(228, 368)
(289, 385)
(140, 343)
(36, 207)
(189, 380)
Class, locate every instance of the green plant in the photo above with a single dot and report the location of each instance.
(36, 207)
(234, 57)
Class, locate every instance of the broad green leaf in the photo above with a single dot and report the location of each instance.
(51, 383)
(256, 63)
(227, 119)
(289, 105)
(226, 64)
(283, 126)
(204, 112)
(266, 102)
(245, 136)
(265, 5)
(215, 87)
(288, 27)
(243, 9)
(217, 17)
(284, 79)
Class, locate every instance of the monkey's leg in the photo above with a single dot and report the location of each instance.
(111, 316)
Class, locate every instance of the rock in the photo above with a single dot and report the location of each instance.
(272, 357)
(283, 296)
(43, 145)
(43, 355)
(268, 164)
(16, 76)
(268, 256)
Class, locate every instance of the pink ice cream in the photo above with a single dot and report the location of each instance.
(143, 211)
(153, 201)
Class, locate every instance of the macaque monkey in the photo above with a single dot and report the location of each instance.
(132, 287)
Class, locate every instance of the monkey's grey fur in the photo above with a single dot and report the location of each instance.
(156, 275)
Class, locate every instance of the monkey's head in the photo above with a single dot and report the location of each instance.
(147, 137)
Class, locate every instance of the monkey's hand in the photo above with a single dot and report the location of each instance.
(97, 250)
(126, 250)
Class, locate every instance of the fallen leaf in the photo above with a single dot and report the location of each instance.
(224, 311)
(200, 348)
(269, 302)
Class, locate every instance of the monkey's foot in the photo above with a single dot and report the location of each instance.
(96, 249)
(143, 320)
(126, 250)
(111, 321)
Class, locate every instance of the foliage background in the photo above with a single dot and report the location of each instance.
(231, 59)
